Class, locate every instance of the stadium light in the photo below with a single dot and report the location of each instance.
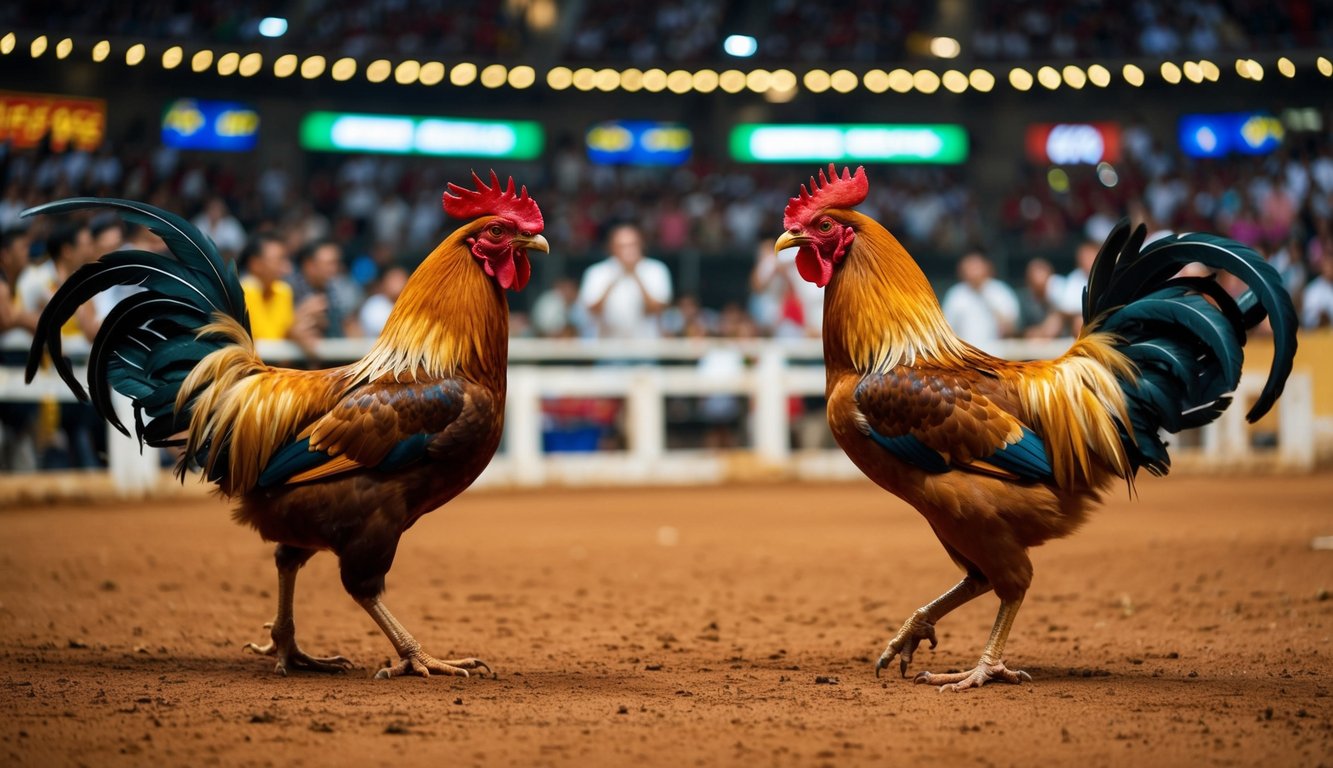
(678, 82)
(705, 81)
(1074, 77)
(1099, 76)
(432, 73)
(1133, 75)
(981, 80)
(560, 78)
(876, 81)
(631, 80)
(38, 46)
(1286, 67)
(172, 57)
(463, 73)
(607, 80)
(1211, 72)
(1020, 79)
(312, 67)
(740, 46)
(407, 72)
(582, 79)
(494, 75)
(954, 81)
(1193, 71)
(926, 81)
(63, 48)
(1170, 72)
(843, 81)
(654, 80)
(202, 60)
(134, 54)
(945, 48)
(101, 50)
(7, 43)
(250, 64)
(284, 66)
(378, 71)
(1049, 77)
(816, 81)
(228, 63)
(900, 80)
(1325, 66)
(782, 80)
(272, 26)
(520, 77)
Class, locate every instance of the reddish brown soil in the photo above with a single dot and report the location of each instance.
(1189, 627)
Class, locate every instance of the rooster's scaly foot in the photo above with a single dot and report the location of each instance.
(905, 643)
(974, 678)
(422, 663)
(291, 657)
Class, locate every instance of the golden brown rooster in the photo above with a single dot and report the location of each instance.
(344, 459)
(1001, 456)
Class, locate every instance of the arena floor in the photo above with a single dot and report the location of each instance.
(677, 627)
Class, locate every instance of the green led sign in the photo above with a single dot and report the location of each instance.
(435, 136)
(866, 143)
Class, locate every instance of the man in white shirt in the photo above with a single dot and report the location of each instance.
(981, 309)
(625, 293)
(1317, 298)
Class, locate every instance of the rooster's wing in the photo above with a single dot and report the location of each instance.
(382, 426)
(943, 419)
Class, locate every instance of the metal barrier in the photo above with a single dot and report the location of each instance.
(645, 374)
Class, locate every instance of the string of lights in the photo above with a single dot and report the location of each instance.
(776, 85)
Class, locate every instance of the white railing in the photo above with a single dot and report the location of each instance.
(774, 371)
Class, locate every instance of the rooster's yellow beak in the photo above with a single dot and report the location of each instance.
(791, 240)
(533, 243)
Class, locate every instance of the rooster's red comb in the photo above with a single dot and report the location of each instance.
(463, 203)
(831, 191)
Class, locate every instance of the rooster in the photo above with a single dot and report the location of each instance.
(344, 459)
(1001, 456)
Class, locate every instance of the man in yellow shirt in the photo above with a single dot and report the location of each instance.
(266, 262)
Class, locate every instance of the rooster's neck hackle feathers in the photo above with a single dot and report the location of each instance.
(451, 320)
(880, 311)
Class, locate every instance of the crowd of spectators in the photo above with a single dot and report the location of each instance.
(692, 31)
(1042, 29)
(325, 255)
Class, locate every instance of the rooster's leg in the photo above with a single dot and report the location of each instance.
(283, 628)
(991, 666)
(412, 659)
(921, 625)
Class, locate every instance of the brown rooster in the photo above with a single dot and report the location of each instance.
(344, 459)
(1001, 456)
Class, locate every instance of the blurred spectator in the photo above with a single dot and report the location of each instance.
(981, 309)
(1317, 298)
(557, 313)
(1038, 318)
(1066, 294)
(324, 294)
(625, 293)
(18, 452)
(781, 303)
(266, 265)
(375, 311)
(68, 247)
(220, 226)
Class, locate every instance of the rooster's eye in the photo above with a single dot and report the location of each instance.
(825, 226)
(496, 231)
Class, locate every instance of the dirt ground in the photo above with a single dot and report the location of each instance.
(731, 626)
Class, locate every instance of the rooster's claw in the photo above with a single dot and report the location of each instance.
(905, 643)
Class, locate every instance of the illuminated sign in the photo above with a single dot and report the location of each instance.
(630, 142)
(436, 136)
(869, 143)
(26, 119)
(1217, 135)
(222, 126)
(1073, 143)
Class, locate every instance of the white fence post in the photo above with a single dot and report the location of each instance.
(772, 420)
(523, 426)
(1295, 430)
(646, 417)
(134, 469)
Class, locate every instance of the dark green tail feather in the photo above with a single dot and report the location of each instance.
(149, 341)
(1187, 347)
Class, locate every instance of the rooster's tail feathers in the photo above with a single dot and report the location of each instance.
(1184, 334)
(151, 339)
